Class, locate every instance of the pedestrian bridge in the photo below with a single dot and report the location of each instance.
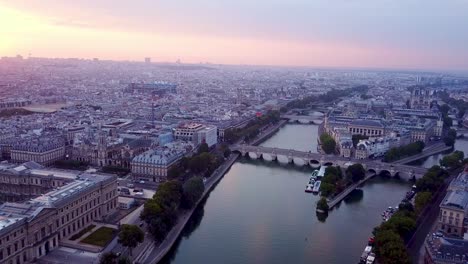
(315, 160)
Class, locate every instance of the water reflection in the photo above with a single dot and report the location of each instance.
(354, 197)
(321, 217)
(259, 213)
(193, 223)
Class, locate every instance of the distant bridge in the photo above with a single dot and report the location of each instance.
(316, 160)
(429, 151)
(304, 118)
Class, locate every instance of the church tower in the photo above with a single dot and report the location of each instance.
(101, 147)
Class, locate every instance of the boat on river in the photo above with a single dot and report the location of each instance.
(316, 188)
(309, 188)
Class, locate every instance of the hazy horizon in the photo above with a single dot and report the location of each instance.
(364, 34)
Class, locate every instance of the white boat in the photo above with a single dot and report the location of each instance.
(315, 173)
(365, 254)
(308, 188)
(370, 258)
(312, 180)
(316, 188)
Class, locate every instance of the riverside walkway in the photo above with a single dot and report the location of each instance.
(332, 202)
(153, 253)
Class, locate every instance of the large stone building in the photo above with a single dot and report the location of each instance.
(421, 98)
(197, 134)
(25, 181)
(32, 229)
(44, 150)
(453, 217)
(108, 151)
(375, 147)
(153, 165)
(372, 128)
(452, 247)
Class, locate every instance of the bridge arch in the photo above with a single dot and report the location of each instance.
(328, 163)
(298, 161)
(385, 173)
(254, 155)
(314, 163)
(268, 157)
(372, 171)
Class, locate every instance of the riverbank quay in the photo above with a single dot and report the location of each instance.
(427, 218)
(267, 133)
(153, 252)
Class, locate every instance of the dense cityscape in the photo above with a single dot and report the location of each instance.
(90, 147)
(233, 132)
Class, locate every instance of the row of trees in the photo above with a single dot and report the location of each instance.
(330, 96)
(203, 163)
(390, 236)
(450, 137)
(460, 104)
(253, 128)
(328, 143)
(71, 164)
(454, 160)
(161, 212)
(129, 236)
(404, 151)
(334, 182)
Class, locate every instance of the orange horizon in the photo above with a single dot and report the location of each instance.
(26, 33)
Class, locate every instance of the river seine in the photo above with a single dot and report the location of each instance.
(259, 213)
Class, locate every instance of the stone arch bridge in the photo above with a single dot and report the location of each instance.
(315, 160)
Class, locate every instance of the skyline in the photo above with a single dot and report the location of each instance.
(361, 34)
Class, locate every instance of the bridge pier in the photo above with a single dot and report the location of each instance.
(268, 157)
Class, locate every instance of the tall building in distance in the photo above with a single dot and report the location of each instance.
(147, 60)
(421, 98)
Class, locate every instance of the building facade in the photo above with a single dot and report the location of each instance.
(31, 230)
(44, 150)
(421, 98)
(153, 165)
(197, 134)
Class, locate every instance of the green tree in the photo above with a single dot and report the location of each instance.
(227, 152)
(444, 109)
(124, 260)
(406, 206)
(130, 236)
(453, 160)
(328, 143)
(203, 148)
(322, 204)
(421, 200)
(403, 225)
(390, 248)
(356, 172)
(447, 121)
(174, 172)
(108, 258)
(327, 189)
(193, 189)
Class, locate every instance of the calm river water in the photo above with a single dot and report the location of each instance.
(259, 213)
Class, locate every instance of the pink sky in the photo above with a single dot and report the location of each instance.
(89, 32)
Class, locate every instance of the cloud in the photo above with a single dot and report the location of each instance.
(72, 23)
